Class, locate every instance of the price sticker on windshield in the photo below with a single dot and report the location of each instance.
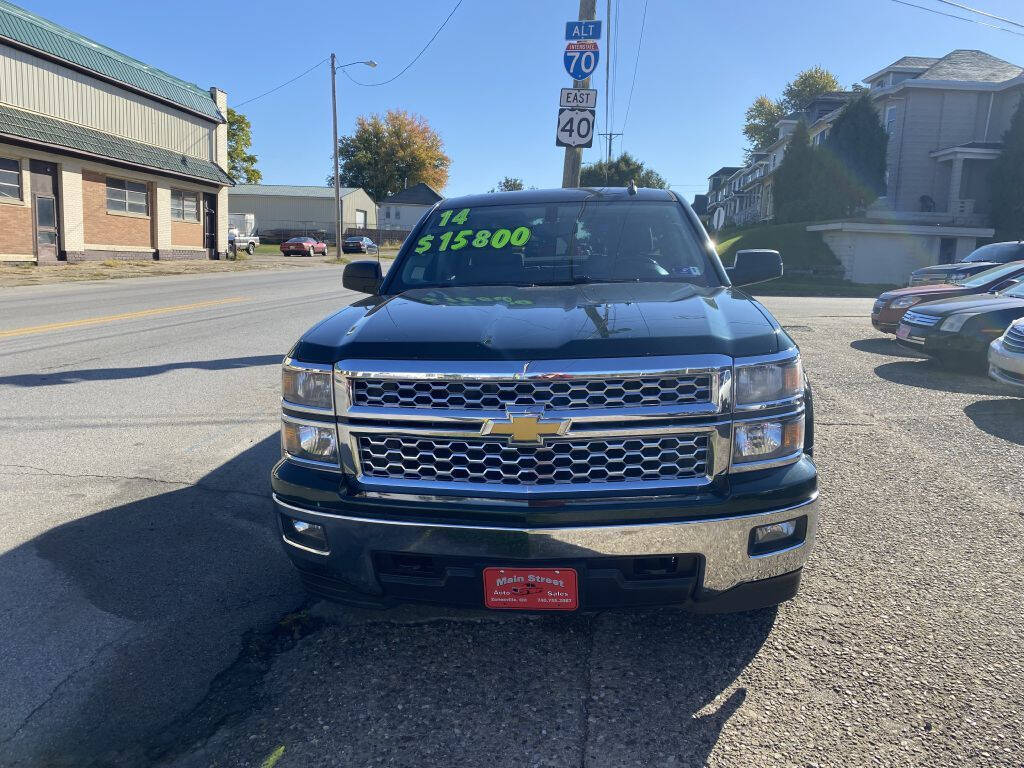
(456, 240)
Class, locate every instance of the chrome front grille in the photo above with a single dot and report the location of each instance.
(919, 318)
(1014, 339)
(405, 457)
(543, 394)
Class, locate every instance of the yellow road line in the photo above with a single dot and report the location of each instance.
(111, 318)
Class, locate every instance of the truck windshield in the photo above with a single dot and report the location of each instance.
(556, 244)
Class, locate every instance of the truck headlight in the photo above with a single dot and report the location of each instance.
(769, 382)
(767, 440)
(954, 323)
(905, 301)
(307, 384)
(310, 441)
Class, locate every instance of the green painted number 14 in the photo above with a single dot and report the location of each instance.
(459, 218)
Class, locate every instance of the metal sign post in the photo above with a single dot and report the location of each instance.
(586, 25)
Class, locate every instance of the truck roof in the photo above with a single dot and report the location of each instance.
(527, 196)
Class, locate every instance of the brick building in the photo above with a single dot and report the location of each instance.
(102, 156)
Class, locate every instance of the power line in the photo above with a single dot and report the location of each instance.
(961, 18)
(415, 58)
(282, 85)
(981, 12)
(636, 64)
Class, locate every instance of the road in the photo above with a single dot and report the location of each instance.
(150, 617)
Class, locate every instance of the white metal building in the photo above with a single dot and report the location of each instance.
(284, 208)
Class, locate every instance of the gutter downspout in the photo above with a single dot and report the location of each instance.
(988, 118)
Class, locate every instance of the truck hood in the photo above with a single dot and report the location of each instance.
(546, 322)
(958, 267)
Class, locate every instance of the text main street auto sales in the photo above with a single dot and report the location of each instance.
(534, 578)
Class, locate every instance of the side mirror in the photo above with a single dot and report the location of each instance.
(755, 266)
(362, 276)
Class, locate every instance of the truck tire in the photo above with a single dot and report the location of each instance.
(250, 248)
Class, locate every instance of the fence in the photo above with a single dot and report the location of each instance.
(379, 236)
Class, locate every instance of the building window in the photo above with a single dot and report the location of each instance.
(890, 119)
(184, 205)
(398, 213)
(10, 178)
(387, 212)
(127, 196)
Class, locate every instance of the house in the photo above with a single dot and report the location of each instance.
(102, 156)
(719, 193)
(286, 210)
(404, 209)
(746, 194)
(945, 118)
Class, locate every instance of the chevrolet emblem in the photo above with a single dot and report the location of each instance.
(525, 428)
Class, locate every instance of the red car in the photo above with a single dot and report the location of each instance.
(303, 246)
(890, 307)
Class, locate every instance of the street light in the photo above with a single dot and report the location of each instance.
(334, 114)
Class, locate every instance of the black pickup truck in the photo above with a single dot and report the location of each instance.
(555, 400)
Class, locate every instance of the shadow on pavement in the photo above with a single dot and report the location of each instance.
(886, 347)
(421, 686)
(115, 374)
(929, 374)
(159, 594)
(1000, 418)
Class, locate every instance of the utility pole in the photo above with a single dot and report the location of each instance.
(337, 179)
(574, 155)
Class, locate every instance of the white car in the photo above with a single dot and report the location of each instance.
(1006, 356)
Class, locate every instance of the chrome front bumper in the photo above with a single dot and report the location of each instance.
(723, 543)
(1002, 361)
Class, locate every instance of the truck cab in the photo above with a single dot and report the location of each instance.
(550, 382)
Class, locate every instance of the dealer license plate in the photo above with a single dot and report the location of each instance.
(531, 589)
(903, 332)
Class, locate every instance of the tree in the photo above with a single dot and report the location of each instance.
(620, 172)
(509, 184)
(1007, 181)
(794, 177)
(859, 142)
(761, 118)
(241, 164)
(806, 86)
(387, 154)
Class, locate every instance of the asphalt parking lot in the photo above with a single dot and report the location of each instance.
(150, 616)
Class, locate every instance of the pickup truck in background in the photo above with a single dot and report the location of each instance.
(242, 232)
(555, 400)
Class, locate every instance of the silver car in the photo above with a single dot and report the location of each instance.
(1006, 356)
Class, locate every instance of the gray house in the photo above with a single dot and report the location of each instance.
(404, 209)
(945, 118)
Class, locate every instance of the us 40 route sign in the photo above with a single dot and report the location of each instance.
(581, 58)
(575, 128)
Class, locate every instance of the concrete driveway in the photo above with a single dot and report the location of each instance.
(150, 617)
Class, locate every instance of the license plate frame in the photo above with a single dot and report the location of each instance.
(519, 588)
(903, 332)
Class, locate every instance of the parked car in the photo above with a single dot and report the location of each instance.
(242, 232)
(303, 246)
(670, 420)
(242, 242)
(1006, 356)
(359, 245)
(890, 307)
(977, 261)
(961, 329)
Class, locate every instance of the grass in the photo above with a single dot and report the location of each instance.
(811, 269)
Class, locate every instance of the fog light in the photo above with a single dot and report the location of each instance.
(765, 539)
(305, 535)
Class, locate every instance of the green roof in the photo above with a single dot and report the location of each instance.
(35, 128)
(289, 190)
(21, 27)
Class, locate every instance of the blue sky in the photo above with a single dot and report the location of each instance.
(489, 83)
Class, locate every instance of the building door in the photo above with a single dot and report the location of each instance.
(44, 211)
(360, 219)
(210, 224)
(947, 250)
